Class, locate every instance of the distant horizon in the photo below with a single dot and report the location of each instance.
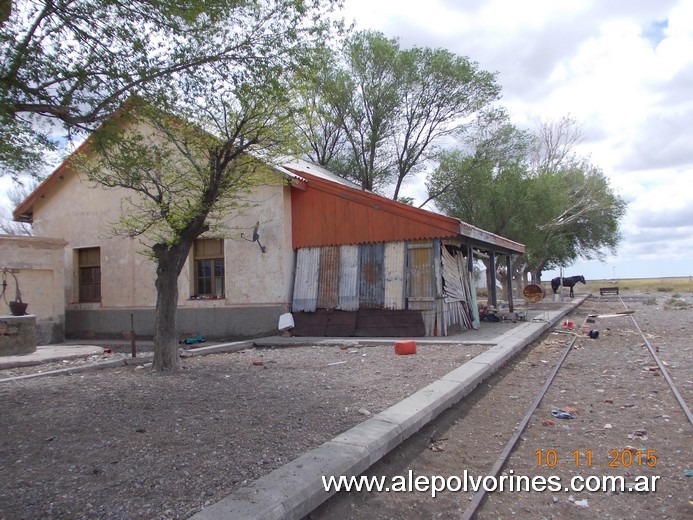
(629, 278)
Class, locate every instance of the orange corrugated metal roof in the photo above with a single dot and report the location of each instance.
(326, 213)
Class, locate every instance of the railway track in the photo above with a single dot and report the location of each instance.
(627, 388)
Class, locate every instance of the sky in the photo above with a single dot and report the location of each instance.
(622, 68)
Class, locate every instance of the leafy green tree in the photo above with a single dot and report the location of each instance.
(365, 99)
(489, 187)
(561, 207)
(395, 107)
(579, 217)
(185, 178)
(318, 123)
(66, 64)
(193, 156)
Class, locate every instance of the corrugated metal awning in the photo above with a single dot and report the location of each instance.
(328, 213)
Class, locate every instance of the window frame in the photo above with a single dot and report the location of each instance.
(208, 252)
(89, 275)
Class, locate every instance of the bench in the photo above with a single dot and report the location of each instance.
(608, 290)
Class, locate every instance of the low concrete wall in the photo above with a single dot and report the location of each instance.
(38, 264)
(226, 323)
(17, 335)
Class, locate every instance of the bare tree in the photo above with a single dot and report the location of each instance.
(16, 196)
(556, 141)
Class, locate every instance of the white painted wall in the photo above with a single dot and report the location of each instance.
(37, 264)
(84, 214)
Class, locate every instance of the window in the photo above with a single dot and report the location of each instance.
(209, 268)
(89, 266)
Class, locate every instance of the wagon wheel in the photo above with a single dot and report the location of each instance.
(533, 293)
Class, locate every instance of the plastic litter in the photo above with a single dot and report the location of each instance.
(192, 341)
(286, 321)
(561, 414)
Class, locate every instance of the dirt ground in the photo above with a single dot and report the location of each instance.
(127, 443)
(621, 405)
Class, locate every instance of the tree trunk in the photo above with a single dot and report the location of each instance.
(166, 338)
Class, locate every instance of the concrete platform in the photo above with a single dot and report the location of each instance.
(295, 489)
(48, 354)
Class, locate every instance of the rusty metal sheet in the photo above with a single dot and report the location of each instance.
(421, 283)
(420, 277)
(306, 279)
(348, 278)
(328, 279)
(371, 276)
(323, 322)
(458, 312)
(387, 323)
(395, 269)
(361, 323)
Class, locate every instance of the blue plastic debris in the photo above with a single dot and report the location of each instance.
(191, 341)
(561, 414)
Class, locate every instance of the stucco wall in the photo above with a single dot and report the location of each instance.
(84, 215)
(219, 323)
(37, 262)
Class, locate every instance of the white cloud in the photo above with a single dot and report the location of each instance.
(623, 68)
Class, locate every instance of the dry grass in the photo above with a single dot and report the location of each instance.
(662, 285)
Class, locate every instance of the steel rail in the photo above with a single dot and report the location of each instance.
(479, 496)
(498, 466)
(662, 369)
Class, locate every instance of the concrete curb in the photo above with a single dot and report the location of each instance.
(235, 346)
(41, 357)
(84, 368)
(143, 360)
(295, 489)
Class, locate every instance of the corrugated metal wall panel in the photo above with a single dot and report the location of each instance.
(395, 268)
(371, 276)
(458, 306)
(348, 278)
(328, 280)
(306, 280)
(421, 282)
(438, 281)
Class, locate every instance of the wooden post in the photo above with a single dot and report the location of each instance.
(508, 268)
(492, 268)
